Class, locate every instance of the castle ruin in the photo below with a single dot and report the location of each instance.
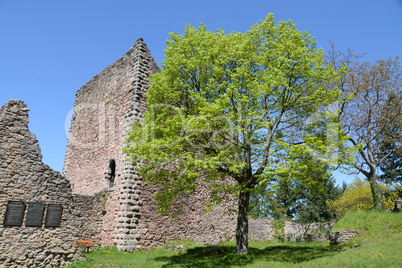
(104, 110)
(28, 184)
(100, 195)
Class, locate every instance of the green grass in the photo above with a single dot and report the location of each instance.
(379, 245)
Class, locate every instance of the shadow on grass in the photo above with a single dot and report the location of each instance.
(224, 256)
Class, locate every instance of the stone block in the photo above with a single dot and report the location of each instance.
(337, 237)
(318, 237)
(398, 205)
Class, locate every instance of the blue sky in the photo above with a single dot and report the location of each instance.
(50, 48)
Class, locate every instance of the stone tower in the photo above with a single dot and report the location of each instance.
(104, 110)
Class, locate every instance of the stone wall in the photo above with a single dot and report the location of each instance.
(127, 230)
(398, 205)
(105, 109)
(96, 136)
(261, 230)
(23, 177)
(334, 237)
(215, 226)
(296, 231)
(89, 210)
(337, 237)
(102, 107)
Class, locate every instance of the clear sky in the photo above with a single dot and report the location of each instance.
(50, 48)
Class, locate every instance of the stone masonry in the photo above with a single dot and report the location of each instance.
(104, 110)
(297, 231)
(23, 177)
(261, 230)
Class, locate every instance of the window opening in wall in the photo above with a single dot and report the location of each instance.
(112, 172)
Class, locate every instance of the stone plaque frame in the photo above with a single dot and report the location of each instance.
(53, 215)
(14, 214)
(35, 213)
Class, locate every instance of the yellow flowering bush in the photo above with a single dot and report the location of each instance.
(358, 197)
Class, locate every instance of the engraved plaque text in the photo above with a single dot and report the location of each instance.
(53, 215)
(14, 213)
(34, 215)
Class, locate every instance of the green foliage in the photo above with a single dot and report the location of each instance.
(391, 166)
(279, 228)
(261, 203)
(218, 107)
(313, 206)
(310, 199)
(285, 197)
(229, 111)
(106, 194)
(274, 202)
(294, 199)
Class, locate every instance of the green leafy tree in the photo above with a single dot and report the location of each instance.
(374, 106)
(275, 201)
(227, 112)
(391, 166)
(291, 198)
(285, 197)
(313, 205)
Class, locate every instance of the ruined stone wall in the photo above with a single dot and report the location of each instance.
(127, 234)
(104, 110)
(23, 177)
(217, 225)
(261, 230)
(89, 210)
(296, 231)
(97, 131)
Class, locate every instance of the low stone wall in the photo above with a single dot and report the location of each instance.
(338, 237)
(298, 231)
(318, 237)
(261, 230)
(24, 178)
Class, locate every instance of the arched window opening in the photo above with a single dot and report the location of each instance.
(111, 173)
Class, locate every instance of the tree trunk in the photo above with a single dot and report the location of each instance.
(377, 196)
(242, 224)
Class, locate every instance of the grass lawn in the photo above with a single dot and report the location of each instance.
(379, 245)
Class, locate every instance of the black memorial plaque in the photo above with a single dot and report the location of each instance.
(14, 213)
(53, 215)
(34, 215)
